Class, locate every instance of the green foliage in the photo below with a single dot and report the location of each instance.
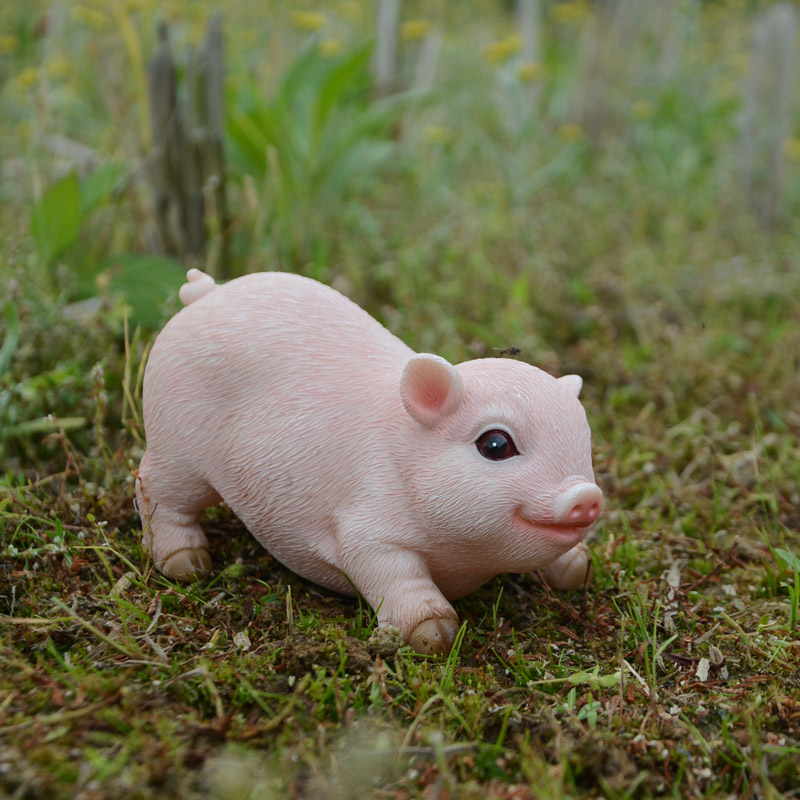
(11, 337)
(320, 124)
(144, 281)
(56, 219)
(62, 212)
(310, 143)
(793, 562)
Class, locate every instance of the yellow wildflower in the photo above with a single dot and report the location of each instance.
(643, 109)
(58, 68)
(350, 10)
(503, 49)
(530, 71)
(132, 6)
(571, 12)
(571, 132)
(308, 20)
(8, 44)
(27, 77)
(415, 29)
(90, 17)
(438, 134)
(791, 148)
(328, 48)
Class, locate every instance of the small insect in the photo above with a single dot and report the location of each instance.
(509, 351)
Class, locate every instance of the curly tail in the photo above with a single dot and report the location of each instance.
(199, 286)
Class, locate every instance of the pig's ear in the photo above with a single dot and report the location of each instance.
(430, 389)
(573, 383)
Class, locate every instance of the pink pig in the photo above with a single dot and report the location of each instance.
(355, 461)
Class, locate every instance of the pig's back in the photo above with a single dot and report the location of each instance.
(271, 325)
(276, 390)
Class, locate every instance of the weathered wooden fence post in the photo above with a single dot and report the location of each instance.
(384, 63)
(187, 160)
(769, 93)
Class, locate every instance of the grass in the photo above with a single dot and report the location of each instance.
(619, 245)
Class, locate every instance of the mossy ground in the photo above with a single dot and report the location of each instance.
(631, 258)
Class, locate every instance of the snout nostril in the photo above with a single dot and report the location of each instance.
(580, 505)
(583, 511)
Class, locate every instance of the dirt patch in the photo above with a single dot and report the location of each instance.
(301, 655)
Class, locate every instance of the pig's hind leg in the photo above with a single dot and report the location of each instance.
(170, 505)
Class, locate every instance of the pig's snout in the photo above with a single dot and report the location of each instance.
(579, 505)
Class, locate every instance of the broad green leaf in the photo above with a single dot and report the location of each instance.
(339, 80)
(56, 219)
(248, 139)
(582, 677)
(144, 281)
(792, 561)
(610, 680)
(301, 79)
(11, 339)
(96, 186)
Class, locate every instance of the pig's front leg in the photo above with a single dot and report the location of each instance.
(571, 570)
(398, 584)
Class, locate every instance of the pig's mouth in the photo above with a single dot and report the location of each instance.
(564, 532)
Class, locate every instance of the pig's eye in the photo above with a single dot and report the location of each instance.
(496, 445)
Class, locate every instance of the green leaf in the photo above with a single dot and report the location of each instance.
(340, 79)
(248, 138)
(56, 219)
(609, 680)
(583, 677)
(594, 678)
(299, 82)
(144, 281)
(792, 561)
(96, 186)
(11, 339)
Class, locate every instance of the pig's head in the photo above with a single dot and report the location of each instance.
(499, 459)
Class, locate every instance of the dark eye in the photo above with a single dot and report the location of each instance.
(496, 445)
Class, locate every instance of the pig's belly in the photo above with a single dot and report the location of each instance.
(306, 547)
(457, 583)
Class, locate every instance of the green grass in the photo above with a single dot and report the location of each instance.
(619, 245)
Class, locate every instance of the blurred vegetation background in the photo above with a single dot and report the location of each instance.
(611, 186)
(542, 175)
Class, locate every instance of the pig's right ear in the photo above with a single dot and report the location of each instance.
(430, 389)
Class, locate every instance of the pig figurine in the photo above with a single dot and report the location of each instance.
(355, 461)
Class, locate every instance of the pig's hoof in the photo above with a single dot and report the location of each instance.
(572, 570)
(187, 564)
(434, 636)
